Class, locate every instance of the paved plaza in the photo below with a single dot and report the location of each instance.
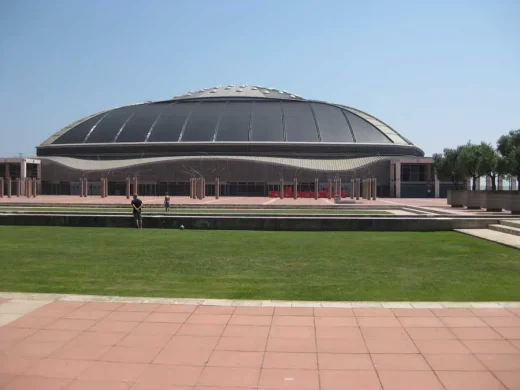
(75, 342)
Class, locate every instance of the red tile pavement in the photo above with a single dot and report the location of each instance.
(74, 345)
(454, 380)
(185, 200)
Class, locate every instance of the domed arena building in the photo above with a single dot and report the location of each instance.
(241, 140)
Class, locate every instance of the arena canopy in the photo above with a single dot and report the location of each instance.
(246, 120)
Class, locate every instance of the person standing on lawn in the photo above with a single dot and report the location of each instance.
(167, 202)
(136, 209)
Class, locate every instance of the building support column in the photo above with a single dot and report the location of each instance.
(127, 187)
(23, 177)
(28, 187)
(339, 187)
(329, 189)
(437, 190)
(358, 189)
(316, 188)
(398, 179)
(392, 179)
(106, 187)
(102, 188)
(85, 181)
(374, 188)
(1, 187)
(217, 188)
(369, 188)
(135, 186)
(18, 187)
(282, 188)
(295, 191)
(39, 177)
(34, 187)
(9, 187)
(351, 188)
(7, 170)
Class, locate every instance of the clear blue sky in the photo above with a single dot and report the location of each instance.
(440, 72)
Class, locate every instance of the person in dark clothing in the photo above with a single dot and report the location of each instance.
(136, 209)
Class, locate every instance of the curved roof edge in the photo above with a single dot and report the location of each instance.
(323, 165)
(62, 131)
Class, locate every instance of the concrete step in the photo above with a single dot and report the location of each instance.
(494, 236)
(505, 229)
(511, 222)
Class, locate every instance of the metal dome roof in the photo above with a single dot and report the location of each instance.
(239, 91)
(233, 114)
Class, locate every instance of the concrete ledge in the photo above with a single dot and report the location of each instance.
(272, 223)
(195, 206)
(252, 303)
(506, 239)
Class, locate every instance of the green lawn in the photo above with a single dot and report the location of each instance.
(198, 211)
(385, 266)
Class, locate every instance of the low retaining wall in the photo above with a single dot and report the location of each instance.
(489, 200)
(253, 222)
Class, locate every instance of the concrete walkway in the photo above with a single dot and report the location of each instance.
(80, 342)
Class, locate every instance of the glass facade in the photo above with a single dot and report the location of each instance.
(77, 134)
(234, 122)
(170, 123)
(299, 123)
(413, 172)
(267, 122)
(364, 131)
(109, 127)
(137, 128)
(332, 123)
(202, 123)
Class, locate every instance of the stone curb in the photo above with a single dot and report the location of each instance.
(257, 303)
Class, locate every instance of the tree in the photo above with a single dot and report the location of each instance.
(447, 165)
(471, 162)
(509, 147)
(489, 163)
